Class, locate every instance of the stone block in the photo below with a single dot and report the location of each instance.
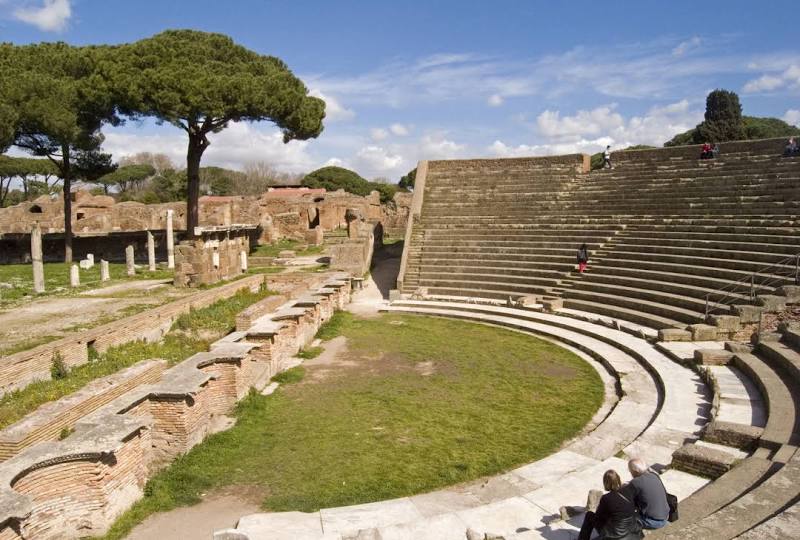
(394, 295)
(703, 332)
(737, 347)
(287, 254)
(552, 303)
(529, 300)
(748, 314)
(742, 436)
(702, 460)
(85, 264)
(771, 302)
(712, 357)
(674, 334)
(791, 292)
(725, 323)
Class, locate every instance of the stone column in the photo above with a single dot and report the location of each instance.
(74, 276)
(36, 257)
(129, 261)
(170, 242)
(104, 274)
(151, 252)
(243, 259)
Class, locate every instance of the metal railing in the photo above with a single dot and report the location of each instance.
(775, 273)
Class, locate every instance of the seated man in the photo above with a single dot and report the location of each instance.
(791, 147)
(650, 496)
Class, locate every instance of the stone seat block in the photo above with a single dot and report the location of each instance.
(702, 460)
(742, 436)
(674, 334)
(713, 357)
(703, 332)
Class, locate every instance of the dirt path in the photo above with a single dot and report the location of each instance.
(56, 317)
(383, 278)
(218, 511)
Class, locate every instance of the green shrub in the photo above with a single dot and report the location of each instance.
(58, 368)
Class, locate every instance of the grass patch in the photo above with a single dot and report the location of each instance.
(437, 403)
(191, 333)
(272, 250)
(290, 376)
(336, 325)
(56, 277)
(310, 352)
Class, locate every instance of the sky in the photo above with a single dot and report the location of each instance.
(438, 79)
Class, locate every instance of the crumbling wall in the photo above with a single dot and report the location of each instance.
(215, 256)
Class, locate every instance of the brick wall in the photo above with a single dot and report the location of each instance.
(20, 369)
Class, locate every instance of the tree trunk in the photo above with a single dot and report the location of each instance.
(67, 174)
(197, 145)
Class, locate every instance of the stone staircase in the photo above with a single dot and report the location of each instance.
(664, 230)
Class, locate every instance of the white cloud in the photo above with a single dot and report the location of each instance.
(686, 46)
(495, 100)
(590, 131)
(377, 159)
(334, 110)
(792, 116)
(437, 146)
(788, 78)
(52, 16)
(234, 147)
(596, 121)
(399, 129)
(378, 134)
(658, 69)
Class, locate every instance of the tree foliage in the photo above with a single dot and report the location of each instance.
(26, 170)
(333, 178)
(407, 181)
(723, 118)
(126, 178)
(200, 82)
(60, 102)
(754, 128)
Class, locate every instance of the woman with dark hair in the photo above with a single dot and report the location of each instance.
(615, 518)
(583, 258)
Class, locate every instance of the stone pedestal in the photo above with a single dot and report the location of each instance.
(131, 268)
(151, 252)
(170, 242)
(104, 274)
(74, 276)
(36, 256)
(243, 261)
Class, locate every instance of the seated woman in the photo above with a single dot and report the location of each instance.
(615, 518)
(706, 152)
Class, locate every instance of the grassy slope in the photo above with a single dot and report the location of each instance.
(380, 429)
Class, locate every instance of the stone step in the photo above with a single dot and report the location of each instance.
(683, 294)
(780, 398)
(637, 316)
(667, 312)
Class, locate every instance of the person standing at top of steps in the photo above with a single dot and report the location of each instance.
(583, 258)
(607, 158)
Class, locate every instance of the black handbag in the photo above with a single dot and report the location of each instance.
(672, 502)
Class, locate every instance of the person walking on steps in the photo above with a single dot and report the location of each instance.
(607, 158)
(583, 258)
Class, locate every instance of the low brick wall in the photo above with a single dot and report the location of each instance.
(247, 317)
(79, 486)
(47, 422)
(20, 369)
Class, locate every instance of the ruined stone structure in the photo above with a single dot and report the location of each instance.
(219, 253)
(103, 227)
(77, 486)
(20, 369)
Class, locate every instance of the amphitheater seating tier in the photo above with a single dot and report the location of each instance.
(664, 229)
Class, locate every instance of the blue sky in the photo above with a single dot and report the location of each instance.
(442, 79)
